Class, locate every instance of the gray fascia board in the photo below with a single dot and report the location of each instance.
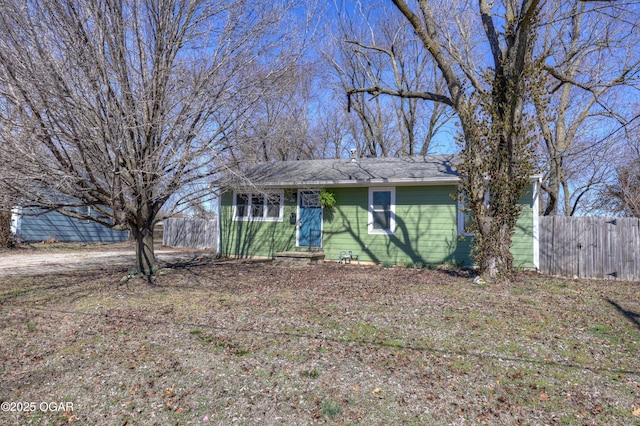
(361, 183)
(448, 180)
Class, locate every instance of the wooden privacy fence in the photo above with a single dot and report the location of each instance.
(590, 247)
(188, 232)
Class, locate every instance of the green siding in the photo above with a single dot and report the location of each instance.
(254, 238)
(522, 241)
(426, 229)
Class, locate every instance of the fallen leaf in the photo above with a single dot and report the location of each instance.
(376, 391)
(636, 412)
(543, 396)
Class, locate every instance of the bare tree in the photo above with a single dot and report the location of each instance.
(625, 192)
(381, 50)
(330, 131)
(622, 194)
(130, 105)
(491, 56)
(371, 130)
(5, 221)
(277, 125)
(487, 78)
(5, 215)
(588, 61)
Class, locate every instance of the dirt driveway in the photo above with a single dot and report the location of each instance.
(38, 262)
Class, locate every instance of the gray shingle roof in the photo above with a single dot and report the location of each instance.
(344, 172)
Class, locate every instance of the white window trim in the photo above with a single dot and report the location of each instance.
(461, 214)
(392, 220)
(16, 219)
(89, 213)
(461, 232)
(536, 224)
(264, 217)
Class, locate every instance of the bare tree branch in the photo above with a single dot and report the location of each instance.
(410, 94)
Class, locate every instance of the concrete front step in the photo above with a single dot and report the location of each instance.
(300, 257)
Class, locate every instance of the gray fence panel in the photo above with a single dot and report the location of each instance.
(188, 232)
(590, 247)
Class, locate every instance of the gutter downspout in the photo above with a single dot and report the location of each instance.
(536, 223)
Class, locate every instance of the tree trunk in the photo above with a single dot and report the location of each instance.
(553, 186)
(145, 256)
(492, 248)
(5, 228)
(489, 270)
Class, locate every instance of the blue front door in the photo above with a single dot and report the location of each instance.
(310, 219)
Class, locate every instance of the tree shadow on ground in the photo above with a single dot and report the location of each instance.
(189, 262)
(348, 341)
(460, 272)
(634, 317)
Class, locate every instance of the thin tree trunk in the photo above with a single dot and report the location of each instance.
(553, 186)
(5, 228)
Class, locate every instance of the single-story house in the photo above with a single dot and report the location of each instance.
(401, 209)
(35, 224)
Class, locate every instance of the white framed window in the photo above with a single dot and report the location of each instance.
(83, 210)
(382, 211)
(464, 220)
(268, 207)
(465, 217)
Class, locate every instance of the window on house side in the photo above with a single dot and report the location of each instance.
(465, 217)
(464, 222)
(242, 205)
(274, 202)
(382, 210)
(256, 206)
(83, 210)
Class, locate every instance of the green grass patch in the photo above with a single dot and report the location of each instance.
(311, 374)
(331, 409)
(605, 332)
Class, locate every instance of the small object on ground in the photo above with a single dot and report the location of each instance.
(479, 280)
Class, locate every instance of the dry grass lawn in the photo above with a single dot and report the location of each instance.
(253, 343)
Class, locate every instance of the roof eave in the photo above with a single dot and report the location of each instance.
(434, 181)
(362, 182)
